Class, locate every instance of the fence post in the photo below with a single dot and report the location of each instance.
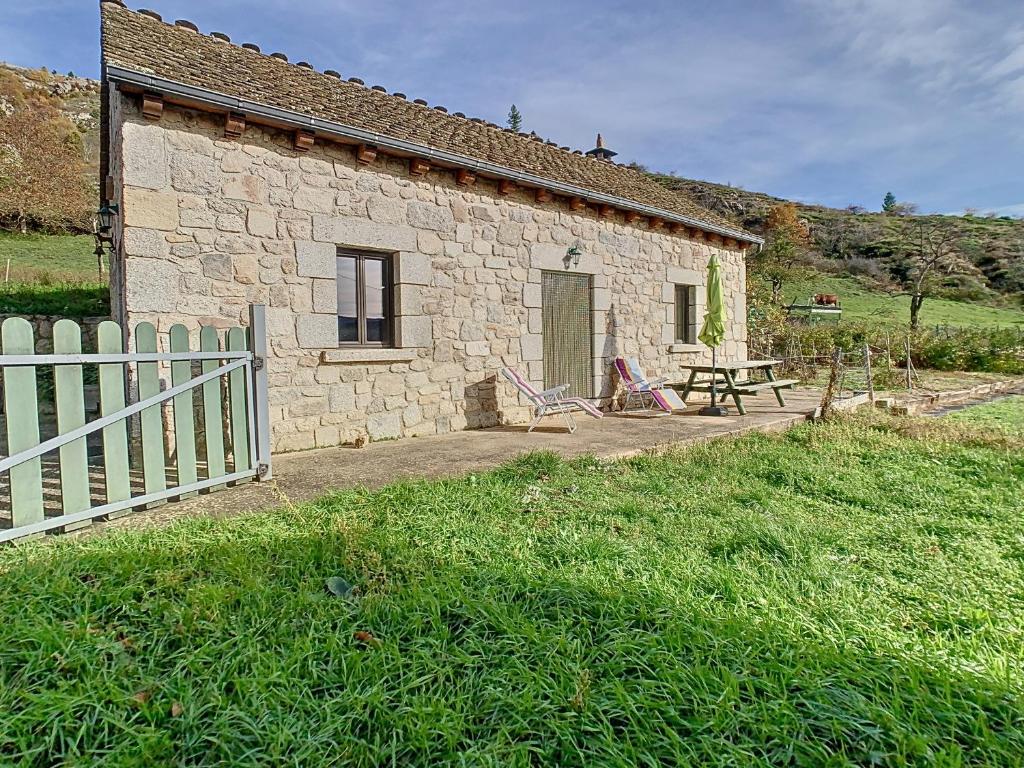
(909, 379)
(261, 416)
(867, 371)
(833, 379)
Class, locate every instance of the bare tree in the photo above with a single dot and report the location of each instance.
(930, 248)
(42, 172)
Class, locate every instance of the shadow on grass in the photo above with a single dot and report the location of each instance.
(212, 643)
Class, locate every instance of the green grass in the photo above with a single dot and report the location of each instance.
(849, 593)
(860, 303)
(63, 257)
(51, 275)
(1005, 415)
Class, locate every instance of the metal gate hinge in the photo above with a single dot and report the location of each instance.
(262, 470)
(258, 363)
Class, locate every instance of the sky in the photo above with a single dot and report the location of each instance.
(823, 101)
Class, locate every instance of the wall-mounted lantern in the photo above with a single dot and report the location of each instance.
(572, 256)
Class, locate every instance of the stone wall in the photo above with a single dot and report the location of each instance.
(212, 225)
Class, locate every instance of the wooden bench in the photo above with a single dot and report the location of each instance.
(725, 384)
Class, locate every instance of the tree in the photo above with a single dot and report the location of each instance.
(889, 202)
(785, 248)
(515, 119)
(929, 249)
(42, 172)
(843, 237)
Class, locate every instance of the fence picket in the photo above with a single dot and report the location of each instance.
(22, 412)
(213, 413)
(115, 436)
(153, 461)
(184, 417)
(69, 394)
(236, 389)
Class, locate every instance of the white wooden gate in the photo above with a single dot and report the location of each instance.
(118, 461)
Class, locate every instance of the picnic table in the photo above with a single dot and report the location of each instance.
(725, 376)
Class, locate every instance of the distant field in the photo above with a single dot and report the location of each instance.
(51, 275)
(49, 258)
(861, 303)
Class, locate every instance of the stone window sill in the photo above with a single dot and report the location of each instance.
(678, 348)
(368, 355)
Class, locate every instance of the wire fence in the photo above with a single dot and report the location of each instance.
(846, 372)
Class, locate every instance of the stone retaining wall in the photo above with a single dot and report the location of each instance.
(211, 225)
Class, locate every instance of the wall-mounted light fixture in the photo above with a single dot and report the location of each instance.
(106, 215)
(104, 224)
(572, 256)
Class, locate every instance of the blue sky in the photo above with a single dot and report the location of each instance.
(830, 101)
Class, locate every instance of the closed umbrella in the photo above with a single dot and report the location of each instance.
(712, 333)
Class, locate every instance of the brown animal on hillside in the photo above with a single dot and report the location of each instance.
(826, 299)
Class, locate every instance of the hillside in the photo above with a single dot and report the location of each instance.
(76, 98)
(864, 303)
(860, 243)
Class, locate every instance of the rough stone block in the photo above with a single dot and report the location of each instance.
(386, 210)
(433, 217)
(532, 347)
(415, 331)
(147, 243)
(217, 266)
(317, 331)
(151, 286)
(315, 200)
(194, 173)
(144, 156)
(531, 295)
(149, 209)
(384, 426)
(414, 268)
(260, 222)
(356, 232)
(325, 297)
(316, 259)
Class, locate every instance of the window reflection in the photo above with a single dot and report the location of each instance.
(348, 310)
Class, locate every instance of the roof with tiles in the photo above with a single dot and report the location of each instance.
(141, 42)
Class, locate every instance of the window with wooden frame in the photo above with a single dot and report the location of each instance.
(365, 299)
(686, 314)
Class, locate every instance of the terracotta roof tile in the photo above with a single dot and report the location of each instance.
(143, 44)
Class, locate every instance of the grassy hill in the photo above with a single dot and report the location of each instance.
(52, 275)
(863, 303)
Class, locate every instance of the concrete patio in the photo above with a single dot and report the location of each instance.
(306, 475)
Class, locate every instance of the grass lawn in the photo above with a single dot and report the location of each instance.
(51, 275)
(64, 257)
(848, 593)
(860, 303)
(1005, 414)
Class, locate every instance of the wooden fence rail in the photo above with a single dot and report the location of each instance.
(130, 456)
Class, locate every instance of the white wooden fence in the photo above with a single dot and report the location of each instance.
(125, 458)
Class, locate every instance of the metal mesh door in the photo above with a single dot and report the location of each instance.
(565, 299)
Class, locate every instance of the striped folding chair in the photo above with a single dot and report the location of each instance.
(649, 393)
(551, 402)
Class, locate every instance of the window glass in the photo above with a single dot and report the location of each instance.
(686, 314)
(376, 319)
(364, 299)
(348, 310)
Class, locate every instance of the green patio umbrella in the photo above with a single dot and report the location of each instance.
(712, 332)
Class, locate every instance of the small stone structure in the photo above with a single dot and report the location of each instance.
(213, 222)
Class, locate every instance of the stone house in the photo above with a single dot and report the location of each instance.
(405, 253)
